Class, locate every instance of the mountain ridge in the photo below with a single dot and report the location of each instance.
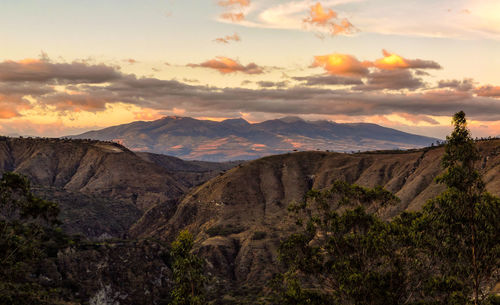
(237, 139)
(239, 218)
(102, 187)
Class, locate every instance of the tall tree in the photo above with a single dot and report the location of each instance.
(188, 272)
(463, 223)
(343, 254)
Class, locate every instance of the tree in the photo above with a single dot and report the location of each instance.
(342, 254)
(27, 236)
(462, 224)
(188, 272)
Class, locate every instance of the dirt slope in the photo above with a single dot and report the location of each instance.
(102, 187)
(226, 212)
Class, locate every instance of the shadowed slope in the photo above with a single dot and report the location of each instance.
(238, 218)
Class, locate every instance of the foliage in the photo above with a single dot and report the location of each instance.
(462, 223)
(449, 253)
(27, 236)
(343, 257)
(188, 272)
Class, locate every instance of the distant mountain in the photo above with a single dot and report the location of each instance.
(237, 139)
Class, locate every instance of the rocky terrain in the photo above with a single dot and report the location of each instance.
(237, 139)
(102, 187)
(239, 218)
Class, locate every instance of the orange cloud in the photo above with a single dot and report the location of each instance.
(234, 2)
(392, 61)
(10, 106)
(417, 118)
(227, 65)
(130, 61)
(489, 91)
(147, 114)
(227, 39)
(231, 15)
(327, 18)
(341, 64)
(345, 27)
(318, 15)
(235, 17)
(75, 102)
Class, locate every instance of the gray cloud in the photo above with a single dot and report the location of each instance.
(488, 90)
(164, 95)
(463, 85)
(323, 79)
(44, 71)
(269, 84)
(391, 79)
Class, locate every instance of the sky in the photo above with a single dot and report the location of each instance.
(71, 66)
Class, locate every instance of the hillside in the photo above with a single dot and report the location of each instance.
(237, 139)
(102, 187)
(239, 217)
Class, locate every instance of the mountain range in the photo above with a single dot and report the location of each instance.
(237, 139)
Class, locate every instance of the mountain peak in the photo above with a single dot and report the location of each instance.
(237, 121)
(291, 119)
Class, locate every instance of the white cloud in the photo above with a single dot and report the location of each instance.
(460, 19)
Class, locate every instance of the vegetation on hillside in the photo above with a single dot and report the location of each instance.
(28, 236)
(449, 253)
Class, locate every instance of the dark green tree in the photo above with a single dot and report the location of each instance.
(343, 254)
(187, 268)
(27, 236)
(463, 224)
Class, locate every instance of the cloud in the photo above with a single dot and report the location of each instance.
(130, 61)
(417, 118)
(10, 106)
(165, 95)
(226, 39)
(269, 84)
(35, 70)
(488, 90)
(463, 85)
(227, 65)
(327, 18)
(319, 16)
(391, 79)
(341, 64)
(19, 98)
(315, 80)
(234, 17)
(234, 2)
(345, 27)
(392, 61)
(76, 102)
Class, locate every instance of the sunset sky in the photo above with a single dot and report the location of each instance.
(70, 66)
